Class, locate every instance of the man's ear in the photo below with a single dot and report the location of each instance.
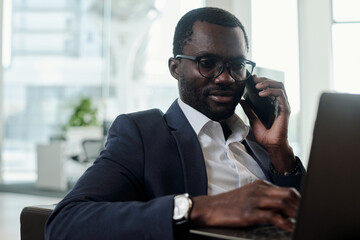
(174, 67)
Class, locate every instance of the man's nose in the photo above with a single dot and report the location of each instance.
(224, 77)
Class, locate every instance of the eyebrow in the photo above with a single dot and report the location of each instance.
(209, 54)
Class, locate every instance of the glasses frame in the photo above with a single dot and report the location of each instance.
(224, 63)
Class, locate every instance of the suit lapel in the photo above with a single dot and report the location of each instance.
(190, 152)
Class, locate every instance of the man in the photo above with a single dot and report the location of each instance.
(197, 164)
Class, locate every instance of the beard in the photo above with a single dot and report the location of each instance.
(198, 98)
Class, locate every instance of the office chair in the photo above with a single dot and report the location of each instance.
(91, 149)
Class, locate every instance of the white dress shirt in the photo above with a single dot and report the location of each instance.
(228, 165)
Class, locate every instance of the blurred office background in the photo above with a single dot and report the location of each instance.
(114, 54)
(67, 63)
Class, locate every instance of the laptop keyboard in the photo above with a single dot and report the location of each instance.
(269, 232)
(265, 232)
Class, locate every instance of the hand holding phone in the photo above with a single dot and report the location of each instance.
(265, 108)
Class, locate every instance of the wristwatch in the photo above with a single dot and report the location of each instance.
(182, 208)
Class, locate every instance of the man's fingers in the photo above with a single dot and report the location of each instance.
(281, 200)
(273, 190)
(266, 87)
(270, 217)
(280, 205)
(264, 83)
(280, 95)
(274, 90)
(283, 222)
(290, 193)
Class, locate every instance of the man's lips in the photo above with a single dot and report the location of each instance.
(221, 96)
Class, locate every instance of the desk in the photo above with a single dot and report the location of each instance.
(51, 162)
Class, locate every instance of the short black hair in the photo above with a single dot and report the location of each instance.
(218, 16)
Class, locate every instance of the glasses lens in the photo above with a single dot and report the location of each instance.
(210, 67)
(238, 69)
(249, 67)
(242, 72)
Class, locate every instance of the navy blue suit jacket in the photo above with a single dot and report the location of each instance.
(128, 192)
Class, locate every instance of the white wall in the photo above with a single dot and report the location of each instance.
(1, 88)
(240, 8)
(315, 51)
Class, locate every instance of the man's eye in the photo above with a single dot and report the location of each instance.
(208, 62)
(237, 65)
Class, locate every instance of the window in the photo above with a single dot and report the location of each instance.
(114, 52)
(275, 46)
(346, 48)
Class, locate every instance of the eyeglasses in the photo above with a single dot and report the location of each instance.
(211, 67)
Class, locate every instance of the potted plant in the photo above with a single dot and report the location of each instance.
(83, 124)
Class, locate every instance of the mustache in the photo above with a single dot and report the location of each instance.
(224, 88)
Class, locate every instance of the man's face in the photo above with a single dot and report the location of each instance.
(216, 98)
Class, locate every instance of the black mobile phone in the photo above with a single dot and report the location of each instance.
(265, 108)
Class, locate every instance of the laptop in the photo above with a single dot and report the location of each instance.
(330, 204)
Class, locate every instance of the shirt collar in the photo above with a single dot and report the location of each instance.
(198, 120)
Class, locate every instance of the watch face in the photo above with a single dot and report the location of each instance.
(181, 207)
